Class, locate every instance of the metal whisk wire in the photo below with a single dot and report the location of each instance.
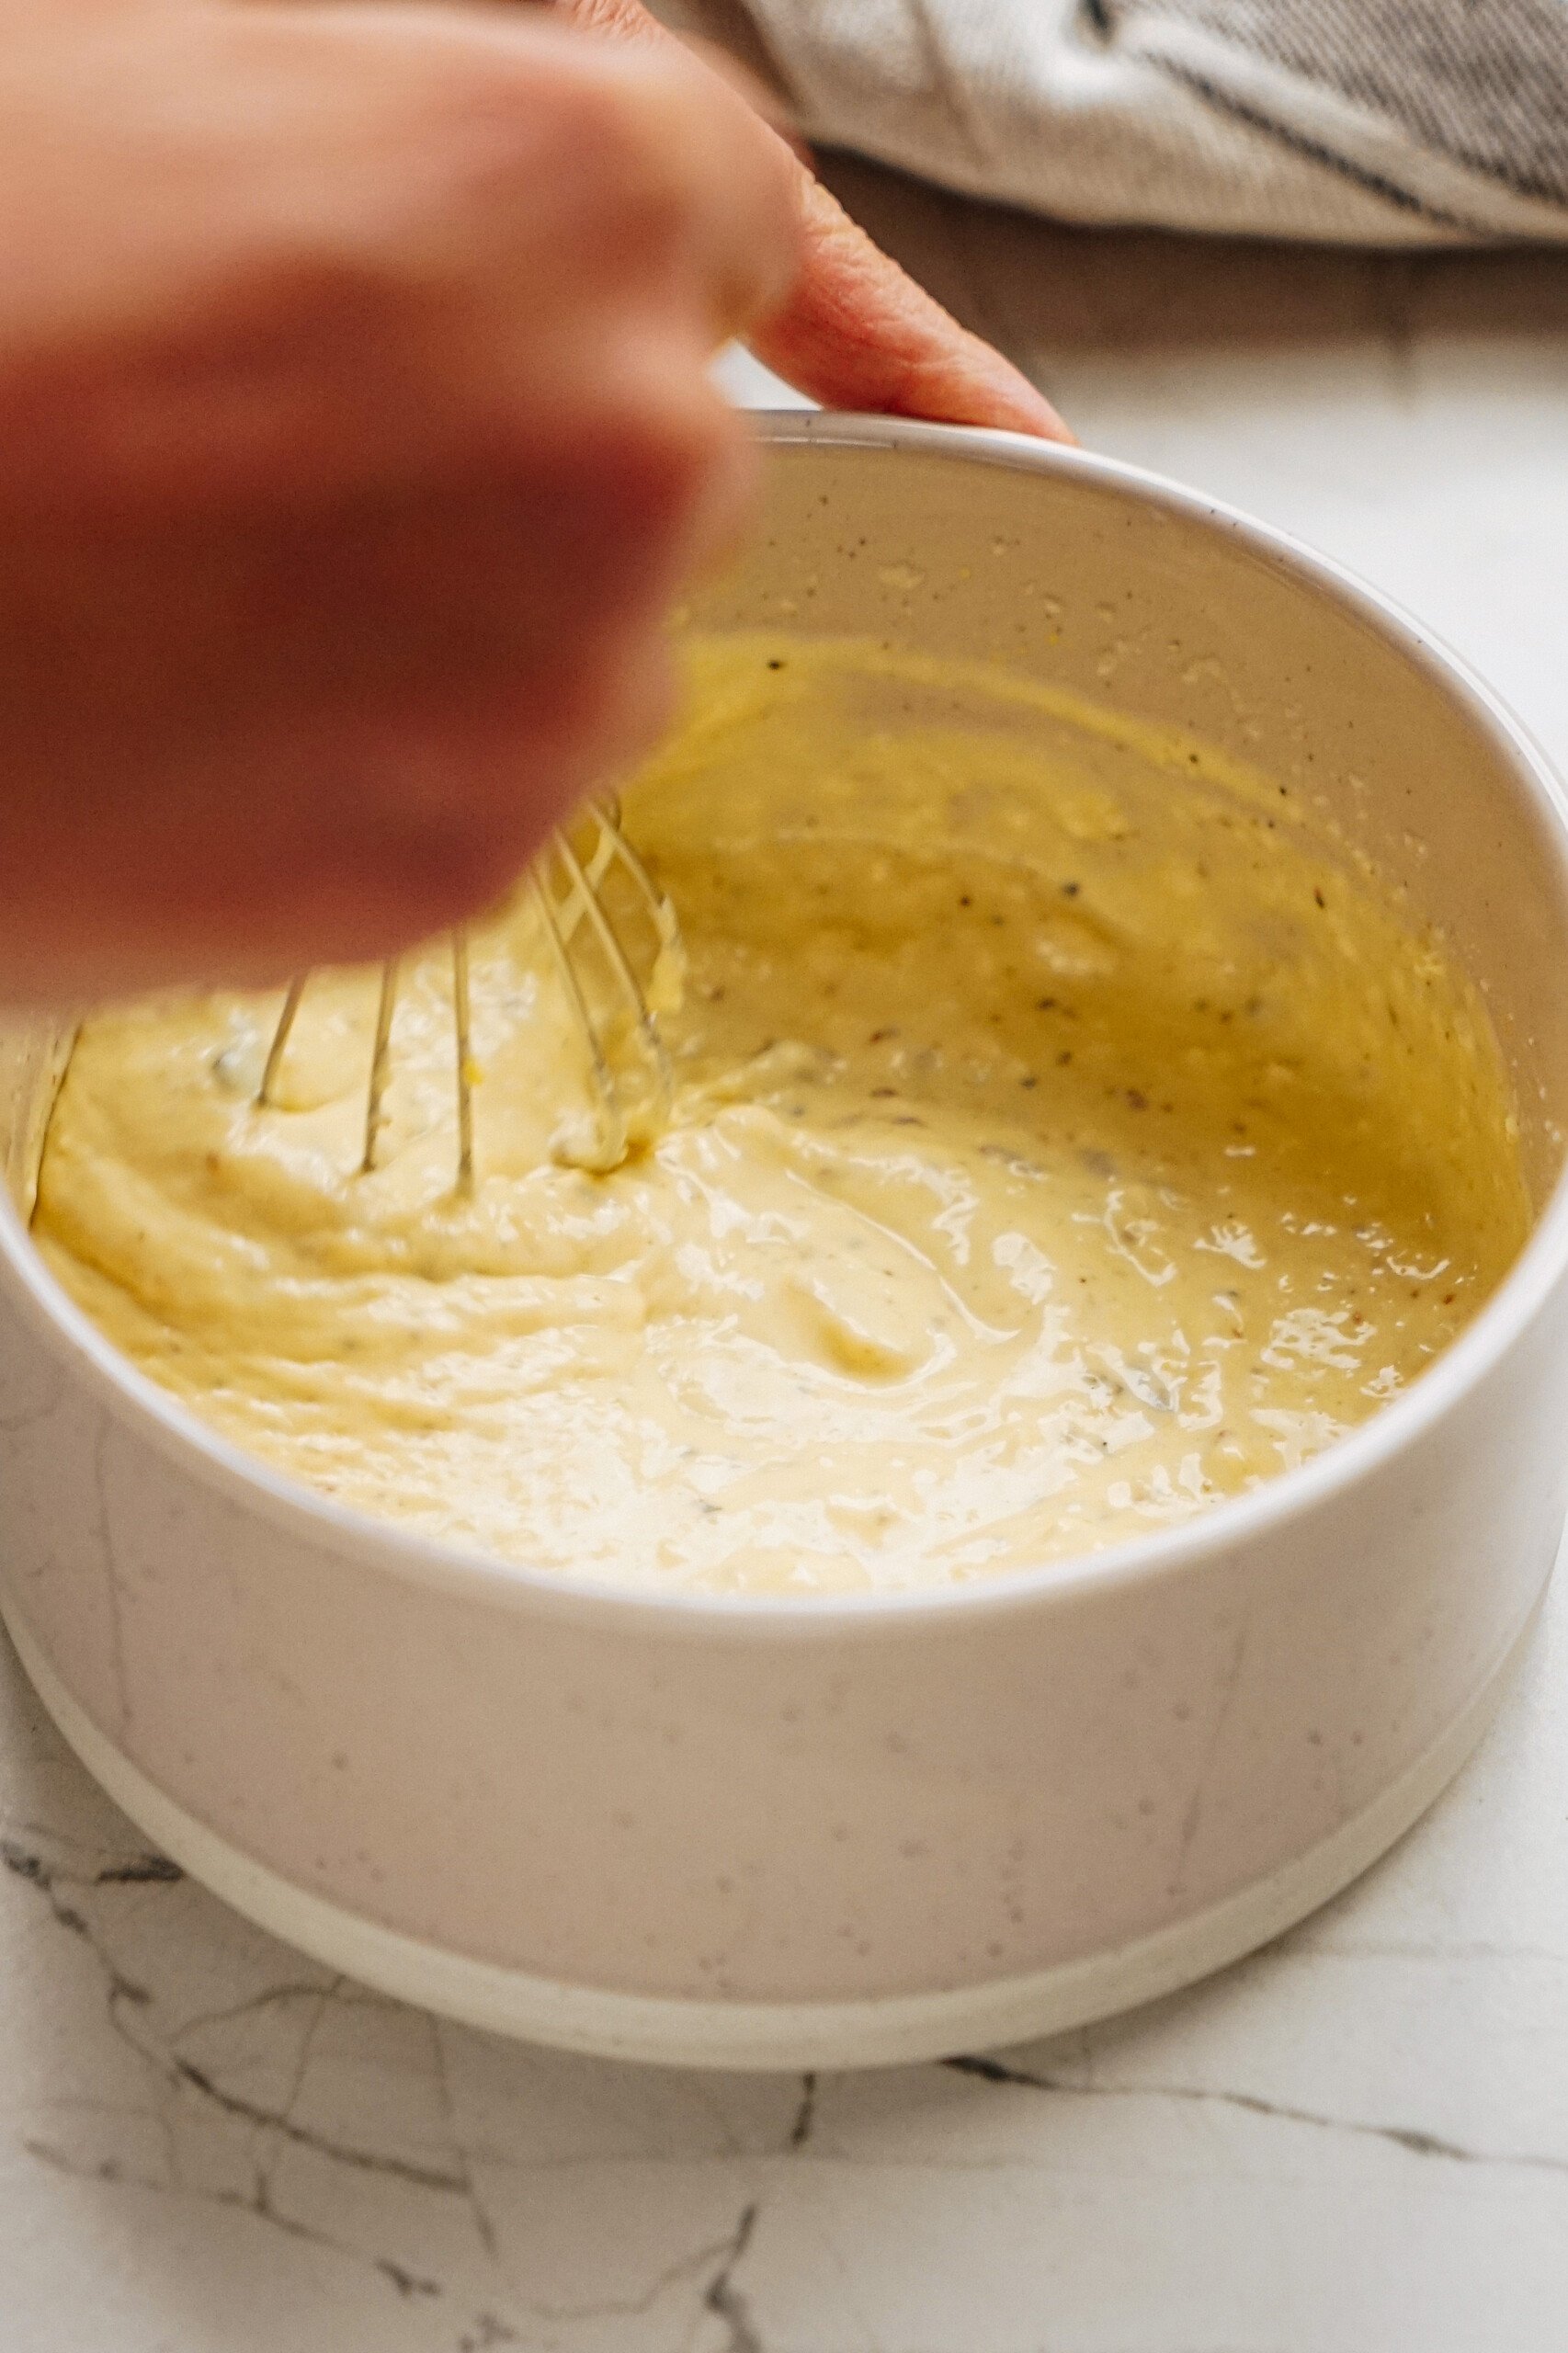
(562, 914)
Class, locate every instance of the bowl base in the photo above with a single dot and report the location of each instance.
(897, 2030)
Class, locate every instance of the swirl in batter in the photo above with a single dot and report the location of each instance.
(1067, 1136)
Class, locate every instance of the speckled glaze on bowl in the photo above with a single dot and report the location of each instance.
(750, 1833)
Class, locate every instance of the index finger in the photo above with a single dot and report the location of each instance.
(854, 330)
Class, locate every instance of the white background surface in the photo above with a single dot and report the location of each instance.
(1356, 2142)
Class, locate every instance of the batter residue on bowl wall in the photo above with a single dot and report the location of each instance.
(1066, 1138)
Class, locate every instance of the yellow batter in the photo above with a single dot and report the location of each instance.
(1066, 1138)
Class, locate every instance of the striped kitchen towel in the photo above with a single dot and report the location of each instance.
(1367, 122)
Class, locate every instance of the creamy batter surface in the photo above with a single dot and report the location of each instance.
(1067, 1136)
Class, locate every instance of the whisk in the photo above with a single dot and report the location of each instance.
(627, 1065)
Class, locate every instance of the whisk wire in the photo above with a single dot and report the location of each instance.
(612, 1122)
(618, 962)
(266, 1092)
(463, 1026)
(380, 1065)
(620, 1005)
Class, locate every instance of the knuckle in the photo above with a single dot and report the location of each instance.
(562, 128)
(607, 126)
(644, 143)
(632, 113)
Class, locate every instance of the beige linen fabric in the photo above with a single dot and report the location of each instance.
(1383, 122)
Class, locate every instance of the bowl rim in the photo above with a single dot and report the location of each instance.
(1543, 1264)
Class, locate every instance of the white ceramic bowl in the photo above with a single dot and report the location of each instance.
(746, 1832)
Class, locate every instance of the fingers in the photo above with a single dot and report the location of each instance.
(857, 332)
(659, 134)
(350, 738)
(357, 242)
(357, 432)
(349, 470)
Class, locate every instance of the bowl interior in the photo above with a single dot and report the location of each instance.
(978, 547)
(1136, 597)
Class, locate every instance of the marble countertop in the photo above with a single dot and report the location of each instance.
(1354, 2142)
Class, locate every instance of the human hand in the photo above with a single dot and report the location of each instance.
(356, 431)
(856, 332)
